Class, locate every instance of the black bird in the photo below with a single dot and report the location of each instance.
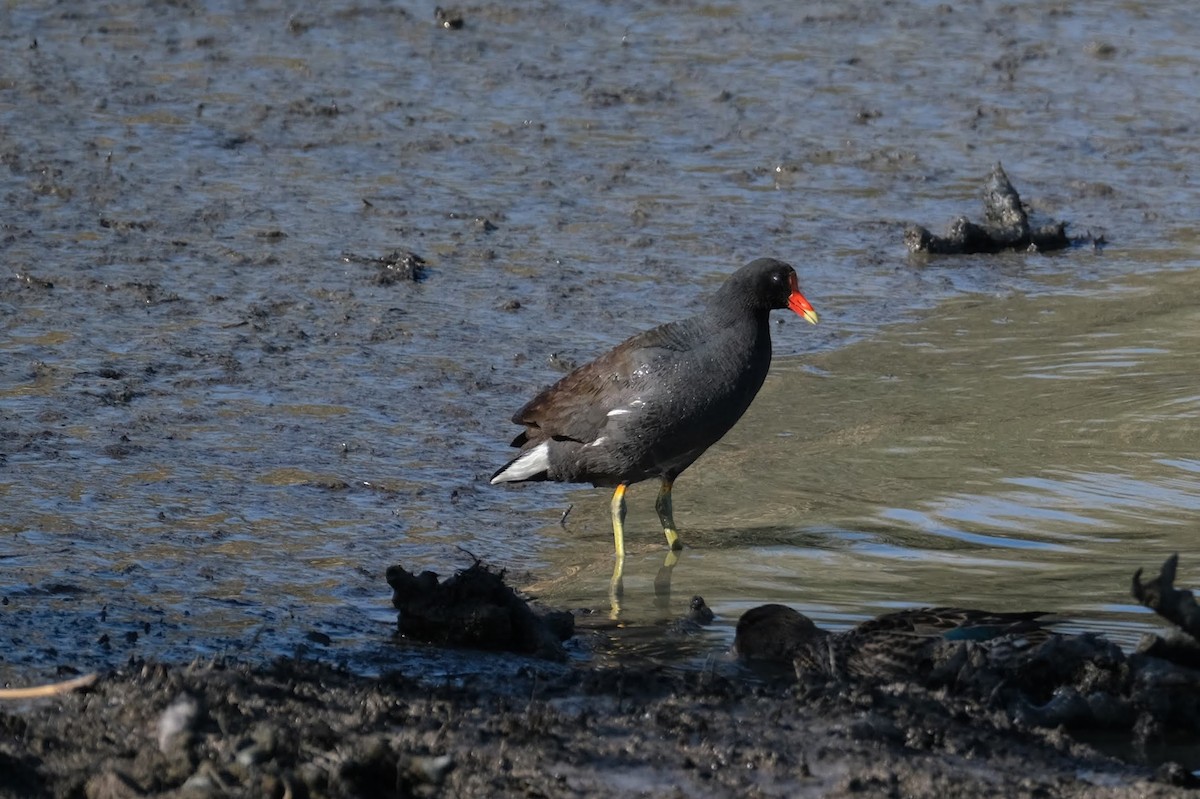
(652, 405)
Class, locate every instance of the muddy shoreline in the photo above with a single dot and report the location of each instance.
(556, 727)
(301, 728)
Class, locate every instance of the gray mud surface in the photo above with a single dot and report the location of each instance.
(273, 282)
(301, 729)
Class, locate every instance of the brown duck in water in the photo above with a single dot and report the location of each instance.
(895, 646)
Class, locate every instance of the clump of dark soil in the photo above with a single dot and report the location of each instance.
(1006, 227)
(395, 266)
(475, 608)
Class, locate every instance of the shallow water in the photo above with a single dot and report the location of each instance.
(1029, 451)
(215, 431)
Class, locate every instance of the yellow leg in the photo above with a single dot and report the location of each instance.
(616, 587)
(618, 519)
(662, 580)
(615, 591)
(666, 515)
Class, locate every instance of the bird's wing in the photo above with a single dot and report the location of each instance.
(577, 407)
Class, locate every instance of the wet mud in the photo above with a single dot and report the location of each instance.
(274, 279)
(300, 728)
(273, 286)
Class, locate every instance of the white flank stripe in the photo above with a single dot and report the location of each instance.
(535, 461)
(618, 412)
(598, 441)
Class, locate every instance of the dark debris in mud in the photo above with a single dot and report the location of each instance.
(1006, 227)
(396, 266)
(475, 608)
(1176, 605)
(450, 19)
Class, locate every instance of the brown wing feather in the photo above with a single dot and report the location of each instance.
(577, 406)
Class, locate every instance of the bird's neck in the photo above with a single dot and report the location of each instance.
(726, 311)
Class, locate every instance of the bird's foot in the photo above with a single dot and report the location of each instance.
(616, 589)
(662, 580)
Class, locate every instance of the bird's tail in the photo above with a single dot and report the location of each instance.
(532, 464)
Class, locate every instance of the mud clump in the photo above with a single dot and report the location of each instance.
(395, 266)
(475, 608)
(1006, 227)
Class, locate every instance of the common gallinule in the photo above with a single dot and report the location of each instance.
(652, 405)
